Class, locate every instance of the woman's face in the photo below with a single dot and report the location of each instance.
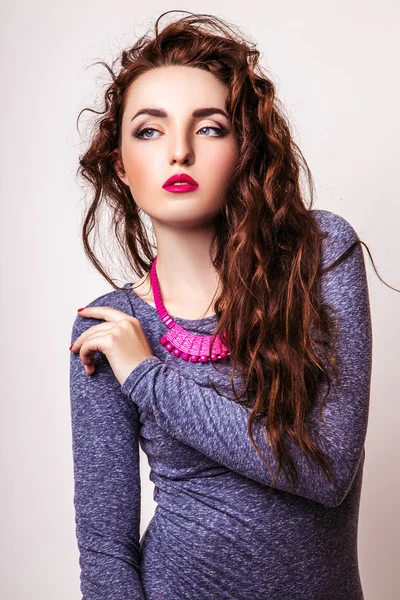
(155, 147)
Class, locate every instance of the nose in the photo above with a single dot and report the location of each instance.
(181, 150)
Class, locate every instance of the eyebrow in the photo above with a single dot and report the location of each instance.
(199, 112)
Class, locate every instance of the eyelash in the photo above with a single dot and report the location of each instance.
(222, 131)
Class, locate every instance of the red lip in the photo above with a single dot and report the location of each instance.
(180, 177)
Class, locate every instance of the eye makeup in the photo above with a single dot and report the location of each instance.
(221, 130)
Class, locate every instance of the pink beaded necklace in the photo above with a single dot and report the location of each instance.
(182, 343)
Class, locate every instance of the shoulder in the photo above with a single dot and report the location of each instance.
(337, 235)
(118, 299)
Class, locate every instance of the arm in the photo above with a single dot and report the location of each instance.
(217, 427)
(106, 478)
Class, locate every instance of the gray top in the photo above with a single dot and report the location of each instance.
(217, 533)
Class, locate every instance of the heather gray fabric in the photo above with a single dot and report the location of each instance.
(219, 531)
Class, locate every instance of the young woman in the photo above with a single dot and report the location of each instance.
(241, 358)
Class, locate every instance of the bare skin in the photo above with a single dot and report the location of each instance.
(142, 288)
(183, 224)
(204, 148)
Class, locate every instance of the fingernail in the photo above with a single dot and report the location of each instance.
(79, 309)
(71, 346)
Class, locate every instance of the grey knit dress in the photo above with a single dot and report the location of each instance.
(219, 531)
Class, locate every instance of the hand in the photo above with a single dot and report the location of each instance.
(121, 338)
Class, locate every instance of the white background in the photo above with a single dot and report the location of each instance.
(335, 66)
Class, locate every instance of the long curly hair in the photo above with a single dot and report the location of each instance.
(266, 248)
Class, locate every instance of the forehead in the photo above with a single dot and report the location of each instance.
(176, 88)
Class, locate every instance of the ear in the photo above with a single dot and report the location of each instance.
(118, 166)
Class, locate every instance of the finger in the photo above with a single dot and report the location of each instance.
(107, 313)
(76, 345)
(100, 342)
(90, 369)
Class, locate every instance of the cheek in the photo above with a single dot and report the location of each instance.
(223, 165)
(144, 172)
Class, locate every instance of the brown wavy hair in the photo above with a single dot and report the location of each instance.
(266, 248)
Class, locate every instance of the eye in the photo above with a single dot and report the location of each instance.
(142, 133)
(140, 136)
(218, 129)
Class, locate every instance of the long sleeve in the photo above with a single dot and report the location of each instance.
(105, 428)
(217, 427)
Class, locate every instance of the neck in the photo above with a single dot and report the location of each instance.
(185, 272)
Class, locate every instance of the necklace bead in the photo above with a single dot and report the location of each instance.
(179, 342)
